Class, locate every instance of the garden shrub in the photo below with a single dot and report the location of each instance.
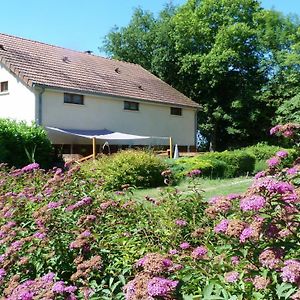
(137, 168)
(21, 144)
(215, 164)
(239, 162)
(64, 237)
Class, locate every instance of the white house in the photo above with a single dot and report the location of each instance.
(74, 94)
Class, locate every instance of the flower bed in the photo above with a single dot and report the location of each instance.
(62, 236)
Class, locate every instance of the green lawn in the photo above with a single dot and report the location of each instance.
(210, 187)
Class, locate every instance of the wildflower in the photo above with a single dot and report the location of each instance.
(235, 228)
(173, 252)
(282, 154)
(52, 205)
(260, 283)
(184, 245)
(270, 258)
(40, 235)
(181, 223)
(235, 260)
(246, 233)
(253, 202)
(275, 129)
(31, 167)
(194, 173)
(199, 252)
(273, 162)
(2, 274)
(293, 171)
(58, 287)
(231, 277)
(161, 287)
(222, 226)
(291, 271)
(260, 174)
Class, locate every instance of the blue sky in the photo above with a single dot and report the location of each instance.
(81, 25)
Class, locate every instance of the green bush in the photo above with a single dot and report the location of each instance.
(212, 168)
(137, 168)
(238, 162)
(21, 144)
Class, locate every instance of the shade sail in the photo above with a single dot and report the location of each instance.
(102, 135)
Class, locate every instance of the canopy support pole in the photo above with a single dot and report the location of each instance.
(171, 148)
(94, 148)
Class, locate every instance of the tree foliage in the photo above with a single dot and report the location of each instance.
(238, 60)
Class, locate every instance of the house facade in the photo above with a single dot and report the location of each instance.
(66, 89)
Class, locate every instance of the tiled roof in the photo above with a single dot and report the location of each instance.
(55, 67)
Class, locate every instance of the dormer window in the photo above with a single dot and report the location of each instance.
(128, 105)
(176, 111)
(3, 86)
(73, 98)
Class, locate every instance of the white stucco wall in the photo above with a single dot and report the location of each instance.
(19, 102)
(107, 112)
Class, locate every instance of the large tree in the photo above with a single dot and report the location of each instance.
(232, 57)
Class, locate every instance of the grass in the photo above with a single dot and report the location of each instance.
(210, 187)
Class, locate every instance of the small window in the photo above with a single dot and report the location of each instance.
(131, 105)
(4, 86)
(73, 98)
(177, 111)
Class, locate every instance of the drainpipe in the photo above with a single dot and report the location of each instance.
(40, 103)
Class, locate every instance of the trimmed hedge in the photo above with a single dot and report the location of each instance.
(133, 167)
(21, 144)
(215, 164)
(228, 164)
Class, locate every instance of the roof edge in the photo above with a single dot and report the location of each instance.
(16, 72)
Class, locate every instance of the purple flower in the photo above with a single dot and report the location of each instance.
(282, 154)
(26, 295)
(199, 252)
(275, 129)
(40, 235)
(235, 260)
(184, 245)
(273, 162)
(231, 277)
(291, 271)
(48, 277)
(194, 173)
(292, 171)
(173, 251)
(52, 205)
(260, 174)
(233, 196)
(2, 274)
(58, 287)
(246, 233)
(30, 167)
(181, 223)
(86, 233)
(222, 226)
(161, 287)
(253, 202)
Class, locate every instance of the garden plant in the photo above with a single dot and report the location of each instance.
(63, 235)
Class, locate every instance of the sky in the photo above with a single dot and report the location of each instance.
(82, 25)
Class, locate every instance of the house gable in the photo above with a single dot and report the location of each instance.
(19, 101)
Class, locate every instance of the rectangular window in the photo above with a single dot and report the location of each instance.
(4, 86)
(177, 111)
(131, 105)
(73, 98)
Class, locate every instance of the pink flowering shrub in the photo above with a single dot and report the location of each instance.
(62, 236)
